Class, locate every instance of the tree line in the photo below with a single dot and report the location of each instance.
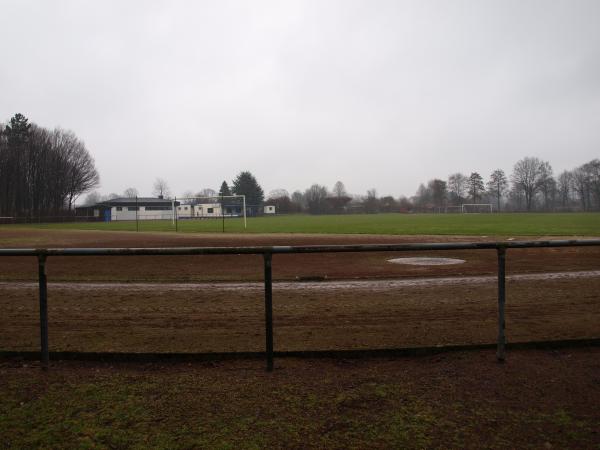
(531, 186)
(42, 172)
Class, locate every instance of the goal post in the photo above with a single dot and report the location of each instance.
(477, 208)
(211, 206)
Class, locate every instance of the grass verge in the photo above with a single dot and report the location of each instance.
(465, 400)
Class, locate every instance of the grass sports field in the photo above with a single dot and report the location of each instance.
(520, 224)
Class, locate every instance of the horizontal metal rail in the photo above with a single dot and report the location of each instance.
(173, 251)
(501, 248)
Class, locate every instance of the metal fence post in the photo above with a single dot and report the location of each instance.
(501, 303)
(223, 213)
(137, 217)
(44, 356)
(269, 310)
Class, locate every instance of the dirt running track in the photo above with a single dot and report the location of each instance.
(249, 267)
(212, 317)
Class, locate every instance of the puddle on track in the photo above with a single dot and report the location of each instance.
(426, 261)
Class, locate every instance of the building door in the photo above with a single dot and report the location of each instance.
(107, 215)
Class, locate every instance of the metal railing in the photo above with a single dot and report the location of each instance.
(268, 252)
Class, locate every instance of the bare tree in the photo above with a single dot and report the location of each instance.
(423, 197)
(438, 189)
(581, 185)
(298, 201)
(42, 171)
(564, 186)
(280, 199)
(497, 185)
(516, 198)
(526, 178)
(586, 183)
(457, 185)
(388, 204)
(592, 169)
(206, 192)
(547, 184)
(188, 194)
(81, 173)
(404, 204)
(315, 197)
(130, 193)
(371, 202)
(161, 188)
(339, 190)
(278, 193)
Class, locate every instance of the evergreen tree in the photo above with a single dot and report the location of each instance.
(224, 191)
(246, 184)
(18, 130)
(475, 184)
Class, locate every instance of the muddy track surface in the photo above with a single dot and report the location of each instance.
(215, 303)
(369, 285)
(236, 268)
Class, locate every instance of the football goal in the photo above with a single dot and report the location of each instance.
(477, 208)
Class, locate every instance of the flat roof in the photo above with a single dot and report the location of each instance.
(127, 201)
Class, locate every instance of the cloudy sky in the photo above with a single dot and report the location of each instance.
(383, 94)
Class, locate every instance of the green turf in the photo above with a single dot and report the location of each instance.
(521, 224)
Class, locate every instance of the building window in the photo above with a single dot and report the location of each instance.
(210, 210)
(119, 208)
(132, 208)
(158, 208)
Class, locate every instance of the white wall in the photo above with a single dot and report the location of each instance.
(143, 214)
(202, 210)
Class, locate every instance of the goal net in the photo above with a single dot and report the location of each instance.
(207, 207)
(477, 208)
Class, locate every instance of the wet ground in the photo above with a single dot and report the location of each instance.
(213, 303)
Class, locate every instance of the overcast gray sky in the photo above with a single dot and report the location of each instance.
(384, 94)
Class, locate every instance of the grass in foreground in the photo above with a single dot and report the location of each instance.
(522, 224)
(463, 400)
